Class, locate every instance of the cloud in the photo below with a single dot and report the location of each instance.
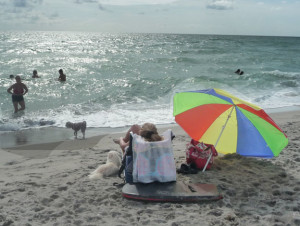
(26, 3)
(220, 4)
(54, 15)
(25, 14)
(136, 2)
(256, 17)
(90, 1)
(86, 1)
(100, 6)
(20, 3)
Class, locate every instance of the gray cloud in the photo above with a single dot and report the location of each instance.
(86, 1)
(100, 6)
(26, 3)
(34, 19)
(20, 3)
(2, 3)
(54, 15)
(24, 13)
(220, 4)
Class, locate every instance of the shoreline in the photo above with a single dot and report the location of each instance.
(35, 136)
(41, 142)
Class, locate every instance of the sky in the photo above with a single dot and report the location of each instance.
(225, 17)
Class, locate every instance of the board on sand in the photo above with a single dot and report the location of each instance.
(171, 192)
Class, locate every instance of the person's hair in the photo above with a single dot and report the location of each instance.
(34, 71)
(60, 71)
(149, 132)
(18, 77)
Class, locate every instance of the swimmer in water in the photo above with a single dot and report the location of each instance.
(35, 74)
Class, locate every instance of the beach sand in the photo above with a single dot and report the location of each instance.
(47, 184)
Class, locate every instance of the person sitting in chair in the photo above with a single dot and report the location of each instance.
(148, 131)
(147, 156)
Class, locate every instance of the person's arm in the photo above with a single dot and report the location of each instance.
(9, 89)
(25, 88)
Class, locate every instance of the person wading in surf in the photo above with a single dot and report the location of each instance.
(18, 90)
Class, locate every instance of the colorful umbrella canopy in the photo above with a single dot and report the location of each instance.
(235, 126)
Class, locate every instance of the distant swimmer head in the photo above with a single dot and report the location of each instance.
(11, 76)
(238, 71)
(35, 74)
(61, 71)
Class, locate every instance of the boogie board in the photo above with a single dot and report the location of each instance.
(171, 192)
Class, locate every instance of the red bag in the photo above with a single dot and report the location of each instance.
(198, 153)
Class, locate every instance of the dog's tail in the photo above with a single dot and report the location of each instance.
(83, 128)
(95, 176)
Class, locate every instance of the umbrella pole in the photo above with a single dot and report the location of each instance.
(223, 127)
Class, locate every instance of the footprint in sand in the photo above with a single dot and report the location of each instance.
(46, 201)
(216, 212)
(62, 188)
(54, 196)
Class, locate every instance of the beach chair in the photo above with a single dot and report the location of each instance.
(147, 162)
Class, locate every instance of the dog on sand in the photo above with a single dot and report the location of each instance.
(110, 168)
(76, 127)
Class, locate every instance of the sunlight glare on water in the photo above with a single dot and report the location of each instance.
(116, 80)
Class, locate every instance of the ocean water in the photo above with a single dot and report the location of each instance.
(115, 80)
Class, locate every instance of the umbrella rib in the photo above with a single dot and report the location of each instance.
(223, 127)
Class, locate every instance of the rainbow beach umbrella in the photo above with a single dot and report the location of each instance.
(234, 126)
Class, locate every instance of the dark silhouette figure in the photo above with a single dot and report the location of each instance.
(239, 72)
(62, 76)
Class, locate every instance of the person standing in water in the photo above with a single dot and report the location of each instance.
(62, 76)
(18, 90)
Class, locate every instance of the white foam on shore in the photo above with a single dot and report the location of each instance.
(53, 134)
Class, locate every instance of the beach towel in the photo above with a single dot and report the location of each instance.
(153, 161)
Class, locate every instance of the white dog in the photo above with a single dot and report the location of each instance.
(111, 167)
(76, 127)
